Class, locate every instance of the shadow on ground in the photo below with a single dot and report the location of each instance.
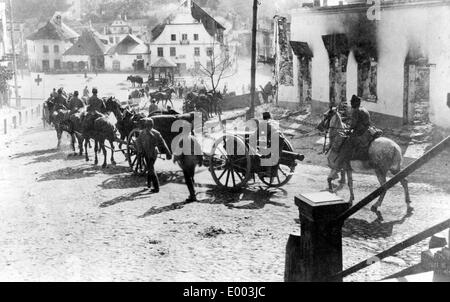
(82, 171)
(259, 197)
(361, 229)
(126, 198)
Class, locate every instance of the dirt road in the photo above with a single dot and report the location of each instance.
(63, 219)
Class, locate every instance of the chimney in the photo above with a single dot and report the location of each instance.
(316, 3)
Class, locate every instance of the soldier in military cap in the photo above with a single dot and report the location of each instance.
(360, 123)
(60, 101)
(149, 143)
(94, 103)
(75, 104)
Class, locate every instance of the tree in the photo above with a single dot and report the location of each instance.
(216, 68)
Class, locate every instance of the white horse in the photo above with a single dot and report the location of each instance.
(384, 156)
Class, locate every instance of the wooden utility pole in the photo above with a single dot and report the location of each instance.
(16, 87)
(253, 68)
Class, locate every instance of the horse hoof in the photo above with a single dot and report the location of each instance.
(104, 166)
(374, 209)
(113, 163)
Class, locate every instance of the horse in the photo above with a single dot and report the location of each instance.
(135, 79)
(165, 96)
(102, 129)
(384, 155)
(200, 102)
(59, 116)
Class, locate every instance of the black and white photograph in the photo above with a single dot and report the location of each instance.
(212, 142)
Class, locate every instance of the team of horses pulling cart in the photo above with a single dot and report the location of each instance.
(228, 168)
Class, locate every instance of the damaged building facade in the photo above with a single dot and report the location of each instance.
(399, 64)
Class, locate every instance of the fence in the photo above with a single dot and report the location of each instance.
(21, 118)
(317, 254)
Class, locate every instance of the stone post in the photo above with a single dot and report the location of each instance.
(318, 251)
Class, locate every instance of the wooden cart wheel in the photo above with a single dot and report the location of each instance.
(283, 173)
(230, 164)
(137, 163)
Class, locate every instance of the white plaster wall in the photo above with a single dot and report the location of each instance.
(126, 61)
(427, 25)
(184, 53)
(36, 52)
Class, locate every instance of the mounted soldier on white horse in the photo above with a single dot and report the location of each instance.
(361, 142)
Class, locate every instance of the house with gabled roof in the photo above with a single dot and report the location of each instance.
(130, 54)
(188, 37)
(87, 53)
(47, 45)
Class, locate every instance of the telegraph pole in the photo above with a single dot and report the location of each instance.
(16, 86)
(253, 68)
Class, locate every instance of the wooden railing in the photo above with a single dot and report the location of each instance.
(21, 117)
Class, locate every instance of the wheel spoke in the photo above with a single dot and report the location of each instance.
(228, 177)
(232, 177)
(220, 177)
(285, 175)
(237, 172)
(134, 161)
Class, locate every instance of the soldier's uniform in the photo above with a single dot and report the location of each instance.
(95, 104)
(360, 136)
(60, 101)
(75, 104)
(149, 143)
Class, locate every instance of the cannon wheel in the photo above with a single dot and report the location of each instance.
(228, 170)
(283, 174)
(137, 163)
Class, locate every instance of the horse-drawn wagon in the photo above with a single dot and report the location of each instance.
(232, 160)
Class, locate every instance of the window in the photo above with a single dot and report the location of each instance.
(184, 37)
(173, 52)
(197, 51)
(195, 37)
(173, 37)
(209, 51)
(46, 65)
(160, 52)
(57, 64)
(46, 49)
(111, 40)
(56, 48)
(367, 80)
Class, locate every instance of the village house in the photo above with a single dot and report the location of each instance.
(118, 30)
(398, 64)
(264, 41)
(47, 45)
(130, 54)
(188, 38)
(86, 54)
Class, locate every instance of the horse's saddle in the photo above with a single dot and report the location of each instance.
(354, 147)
